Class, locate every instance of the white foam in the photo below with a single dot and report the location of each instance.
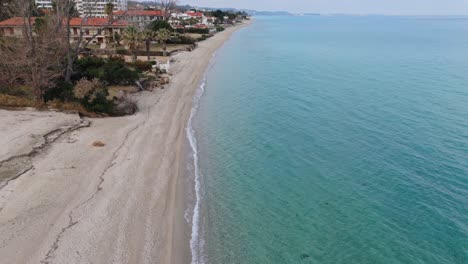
(195, 241)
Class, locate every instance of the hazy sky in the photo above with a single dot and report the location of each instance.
(404, 7)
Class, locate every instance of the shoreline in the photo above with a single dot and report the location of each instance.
(189, 177)
(120, 203)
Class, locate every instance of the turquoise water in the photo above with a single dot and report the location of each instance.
(336, 140)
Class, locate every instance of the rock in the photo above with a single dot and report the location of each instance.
(98, 144)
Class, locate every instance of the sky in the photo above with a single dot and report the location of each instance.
(387, 7)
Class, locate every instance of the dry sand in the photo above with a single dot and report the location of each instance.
(71, 202)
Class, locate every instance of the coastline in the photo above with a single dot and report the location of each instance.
(121, 203)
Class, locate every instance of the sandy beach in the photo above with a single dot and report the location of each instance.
(63, 200)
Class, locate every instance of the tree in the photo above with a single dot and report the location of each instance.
(117, 38)
(74, 46)
(192, 21)
(167, 6)
(159, 24)
(8, 9)
(109, 10)
(37, 60)
(132, 39)
(147, 35)
(162, 36)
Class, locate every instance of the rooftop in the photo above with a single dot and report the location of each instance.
(76, 21)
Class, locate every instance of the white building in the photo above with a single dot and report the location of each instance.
(90, 8)
(44, 4)
(96, 8)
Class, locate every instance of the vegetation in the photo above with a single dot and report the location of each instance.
(147, 36)
(162, 36)
(46, 66)
(117, 38)
(132, 39)
(109, 9)
(142, 66)
(220, 15)
(193, 30)
(181, 39)
(159, 24)
(93, 95)
(111, 71)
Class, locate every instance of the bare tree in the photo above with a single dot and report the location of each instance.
(80, 43)
(47, 52)
(7, 9)
(168, 6)
(37, 59)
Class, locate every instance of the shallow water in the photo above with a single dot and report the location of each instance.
(336, 140)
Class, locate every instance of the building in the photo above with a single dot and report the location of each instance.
(96, 8)
(97, 30)
(208, 21)
(89, 8)
(189, 15)
(46, 4)
(194, 14)
(13, 27)
(140, 18)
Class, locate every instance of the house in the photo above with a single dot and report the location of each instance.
(96, 30)
(99, 28)
(13, 27)
(194, 14)
(140, 18)
(208, 21)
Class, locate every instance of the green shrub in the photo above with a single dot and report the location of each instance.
(160, 24)
(112, 70)
(187, 40)
(62, 91)
(182, 39)
(219, 29)
(142, 65)
(194, 30)
(20, 91)
(121, 51)
(99, 102)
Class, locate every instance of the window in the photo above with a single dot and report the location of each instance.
(12, 31)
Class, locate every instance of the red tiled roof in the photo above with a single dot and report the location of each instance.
(95, 22)
(76, 21)
(15, 21)
(194, 14)
(140, 13)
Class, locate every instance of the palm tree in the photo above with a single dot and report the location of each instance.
(148, 35)
(109, 10)
(162, 36)
(132, 39)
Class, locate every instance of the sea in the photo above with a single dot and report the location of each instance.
(333, 140)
